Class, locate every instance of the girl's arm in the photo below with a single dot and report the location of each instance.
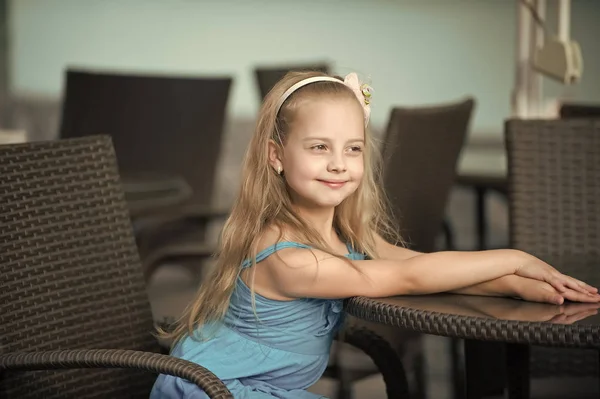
(510, 285)
(298, 273)
(502, 286)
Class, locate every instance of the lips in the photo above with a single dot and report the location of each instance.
(333, 183)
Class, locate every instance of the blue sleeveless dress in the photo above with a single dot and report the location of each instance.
(279, 355)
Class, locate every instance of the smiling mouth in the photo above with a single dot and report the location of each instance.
(333, 184)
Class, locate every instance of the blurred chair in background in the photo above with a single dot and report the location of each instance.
(574, 110)
(73, 293)
(420, 154)
(167, 134)
(420, 150)
(554, 182)
(266, 77)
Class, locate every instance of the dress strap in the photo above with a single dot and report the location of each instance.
(349, 247)
(270, 250)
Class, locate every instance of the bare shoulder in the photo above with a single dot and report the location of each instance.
(272, 234)
(310, 272)
(274, 272)
(292, 259)
(286, 257)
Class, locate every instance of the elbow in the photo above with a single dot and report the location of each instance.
(415, 285)
(401, 286)
(391, 279)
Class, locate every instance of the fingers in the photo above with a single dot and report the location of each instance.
(571, 282)
(551, 296)
(575, 285)
(557, 282)
(586, 286)
(576, 296)
(581, 286)
(561, 282)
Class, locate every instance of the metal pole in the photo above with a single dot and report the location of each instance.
(564, 20)
(520, 98)
(535, 92)
(4, 64)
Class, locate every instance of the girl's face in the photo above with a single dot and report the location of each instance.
(323, 159)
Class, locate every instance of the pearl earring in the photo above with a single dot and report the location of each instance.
(279, 170)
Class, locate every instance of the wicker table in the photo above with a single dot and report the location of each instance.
(516, 323)
(151, 193)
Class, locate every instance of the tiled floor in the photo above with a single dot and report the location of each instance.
(169, 296)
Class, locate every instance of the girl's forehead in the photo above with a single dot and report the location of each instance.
(341, 117)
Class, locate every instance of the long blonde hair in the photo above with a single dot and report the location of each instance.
(263, 201)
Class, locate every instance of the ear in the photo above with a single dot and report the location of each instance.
(275, 156)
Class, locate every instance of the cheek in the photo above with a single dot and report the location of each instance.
(294, 173)
(357, 168)
(304, 167)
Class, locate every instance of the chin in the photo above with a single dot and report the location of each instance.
(330, 202)
(311, 199)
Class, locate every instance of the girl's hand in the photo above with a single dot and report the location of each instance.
(540, 291)
(534, 268)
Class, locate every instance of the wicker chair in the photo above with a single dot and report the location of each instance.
(266, 77)
(554, 181)
(73, 293)
(421, 150)
(579, 110)
(160, 125)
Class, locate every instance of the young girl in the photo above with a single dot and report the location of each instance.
(306, 231)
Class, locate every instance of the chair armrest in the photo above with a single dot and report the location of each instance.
(117, 358)
(383, 355)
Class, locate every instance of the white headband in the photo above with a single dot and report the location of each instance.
(300, 84)
(362, 92)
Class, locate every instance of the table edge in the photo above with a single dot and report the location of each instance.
(474, 327)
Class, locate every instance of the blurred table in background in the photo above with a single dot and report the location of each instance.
(482, 167)
(147, 194)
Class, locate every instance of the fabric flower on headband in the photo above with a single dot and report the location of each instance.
(363, 93)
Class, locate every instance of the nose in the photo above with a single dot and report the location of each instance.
(336, 164)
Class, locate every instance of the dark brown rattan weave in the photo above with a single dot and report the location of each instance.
(421, 148)
(554, 179)
(554, 184)
(472, 327)
(115, 358)
(383, 355)
(70, 273)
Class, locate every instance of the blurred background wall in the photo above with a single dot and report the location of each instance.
(414, 52)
